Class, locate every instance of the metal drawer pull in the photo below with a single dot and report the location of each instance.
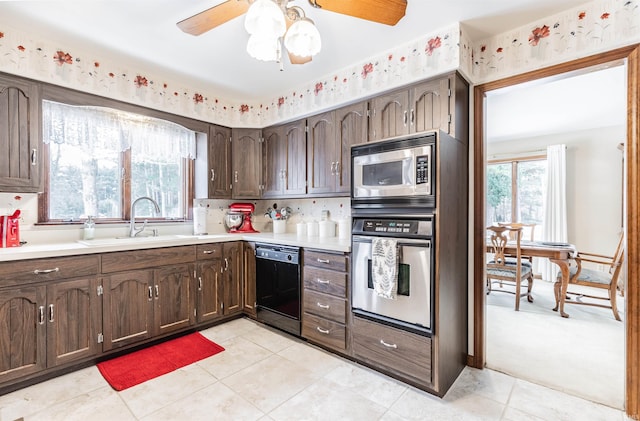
(150, 293)
(157, 291)
(323, 306)
(207, 252)
(323, 260)
(394, 346)
(45, 271)
(51, 313)
(213, 174)
(321, 330)
(322, 281)
(41, 315)
(199, 283)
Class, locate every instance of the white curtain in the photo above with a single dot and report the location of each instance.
(98, 129)
(554, 227)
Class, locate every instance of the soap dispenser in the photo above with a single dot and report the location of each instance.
(89, 228)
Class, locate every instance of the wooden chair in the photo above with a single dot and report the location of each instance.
(528, 234)
(605, 280)
(502, 269)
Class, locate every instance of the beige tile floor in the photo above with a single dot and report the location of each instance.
(266, 375)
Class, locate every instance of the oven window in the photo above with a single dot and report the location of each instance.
(404, 276)
(382, 174)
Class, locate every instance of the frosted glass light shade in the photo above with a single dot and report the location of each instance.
(265, 18)
(263, 48)
(303, 38)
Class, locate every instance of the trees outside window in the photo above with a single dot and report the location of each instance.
(516, 191)
(101, 159)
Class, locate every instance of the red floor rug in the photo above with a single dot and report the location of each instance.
(148, 363)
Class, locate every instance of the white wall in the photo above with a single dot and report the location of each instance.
(594, 182)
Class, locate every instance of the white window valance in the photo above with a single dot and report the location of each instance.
(98, 129)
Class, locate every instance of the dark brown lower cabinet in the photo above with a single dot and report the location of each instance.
(173, 298)
(128, 308)
(404, 354)
(249, 279)
(43, 326)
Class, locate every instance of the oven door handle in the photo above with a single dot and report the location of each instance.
(401, 241)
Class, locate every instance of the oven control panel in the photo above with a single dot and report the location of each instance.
(396, 227)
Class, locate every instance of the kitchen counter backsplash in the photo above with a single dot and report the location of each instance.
(304, 210)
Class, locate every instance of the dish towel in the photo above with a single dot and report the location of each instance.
(384, 270)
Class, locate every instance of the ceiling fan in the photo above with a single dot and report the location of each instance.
(292, 27)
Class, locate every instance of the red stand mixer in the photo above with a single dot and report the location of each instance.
(238, 218)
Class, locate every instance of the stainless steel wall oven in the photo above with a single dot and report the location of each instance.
(412, 307)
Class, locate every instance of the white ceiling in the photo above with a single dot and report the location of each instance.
(586, 101)
(144, 32)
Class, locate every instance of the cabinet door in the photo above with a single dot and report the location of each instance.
(274, 151)
(208, 290)
(22, 332)
(232, 275)
(295, 175)
(430, 106)
(249, 279)
(127, 308)
(389, 115)
(74, 315)
(219, 162)
(246, 150)
(322, 163)
(351, 123)
(19, 135)
(173, 299)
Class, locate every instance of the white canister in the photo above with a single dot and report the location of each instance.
(327, 228)
(279, 226)
(312, 229)
(344, 228)
(301, 229)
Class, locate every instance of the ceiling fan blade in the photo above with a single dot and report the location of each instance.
(294, 59)
(217, 15)
(388, 12)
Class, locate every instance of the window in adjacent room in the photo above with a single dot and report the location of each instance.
(101, 159)
(516, 191)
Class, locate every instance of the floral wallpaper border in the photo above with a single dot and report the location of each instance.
(595, 27)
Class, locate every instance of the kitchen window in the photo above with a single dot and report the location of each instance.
(99, 159)
(516, 190)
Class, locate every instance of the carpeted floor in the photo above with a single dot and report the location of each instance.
(582, 355)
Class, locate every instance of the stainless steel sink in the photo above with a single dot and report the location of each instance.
(114, 241)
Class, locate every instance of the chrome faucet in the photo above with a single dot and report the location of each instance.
(133, 231)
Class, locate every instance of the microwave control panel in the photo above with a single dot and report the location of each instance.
(422, 169)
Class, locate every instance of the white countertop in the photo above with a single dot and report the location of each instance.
(106, 245)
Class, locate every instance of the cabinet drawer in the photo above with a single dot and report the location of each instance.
(391, 348)
(151, 258)
(208, 251)
(332, 261)
(324, 305)
(36, 270)
(327, 281)
(324, 331)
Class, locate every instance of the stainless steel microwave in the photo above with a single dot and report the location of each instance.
(394, 172)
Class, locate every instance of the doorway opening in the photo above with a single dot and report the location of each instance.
(586, 114)
(632, 209)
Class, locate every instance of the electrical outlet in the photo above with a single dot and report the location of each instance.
(325, 214)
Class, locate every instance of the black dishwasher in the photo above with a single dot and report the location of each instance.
(278, 286)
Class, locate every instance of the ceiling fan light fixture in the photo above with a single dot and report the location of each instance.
(303, 38)
(265, 18)
(264, 48)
